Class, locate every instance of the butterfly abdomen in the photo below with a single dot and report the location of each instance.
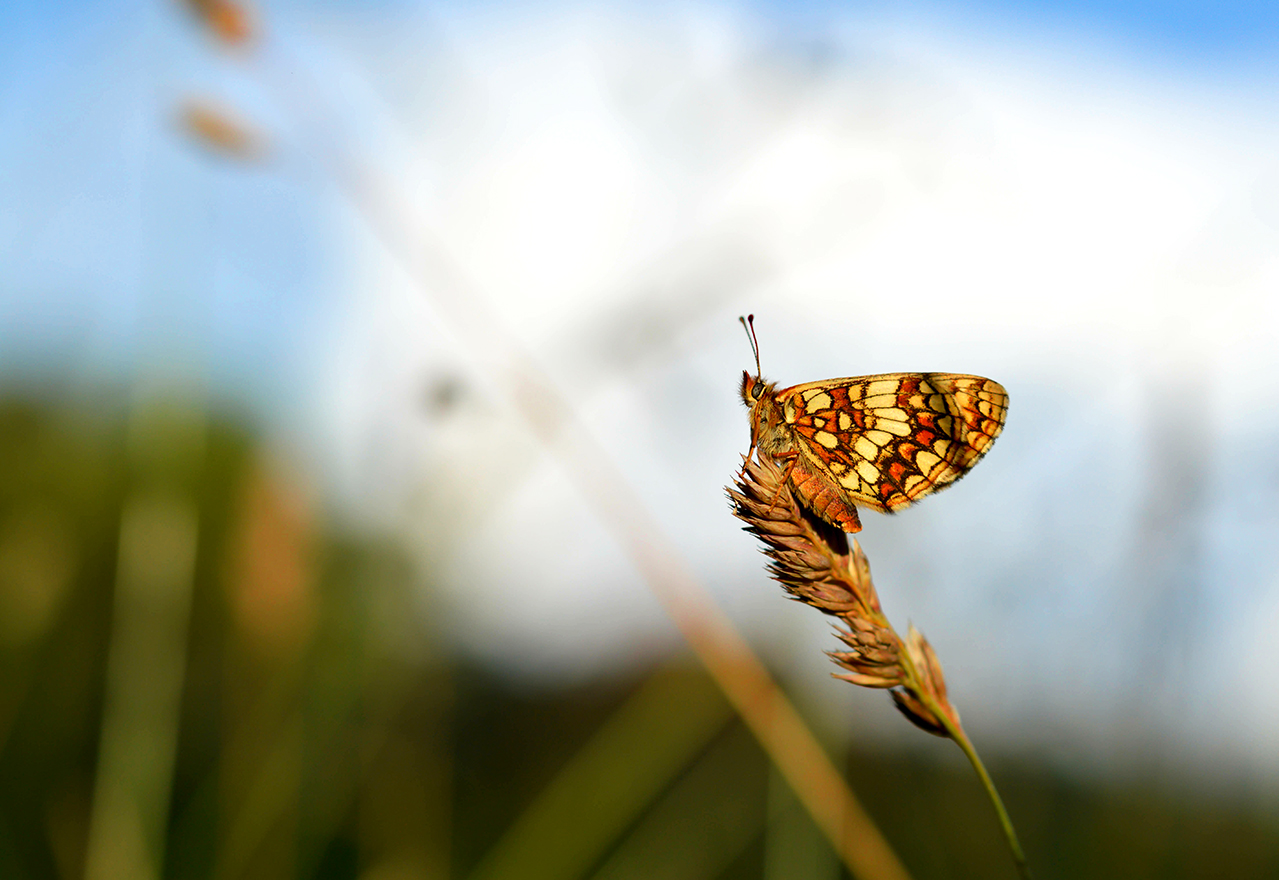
(824, 499)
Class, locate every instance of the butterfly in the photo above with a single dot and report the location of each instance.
(881, 442)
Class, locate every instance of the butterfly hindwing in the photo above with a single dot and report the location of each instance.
(890, 439)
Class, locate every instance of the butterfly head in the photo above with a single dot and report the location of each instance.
(760, 396)
(754, 388)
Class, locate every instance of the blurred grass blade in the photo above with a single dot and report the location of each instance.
(705, 822)
(145, 667)
(260, 827)
(793, 845)
(632, 757)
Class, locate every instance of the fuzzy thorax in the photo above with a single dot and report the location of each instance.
(769, 432)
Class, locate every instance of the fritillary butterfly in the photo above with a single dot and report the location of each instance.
(881, 442)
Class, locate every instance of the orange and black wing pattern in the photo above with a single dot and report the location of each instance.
(889, 440)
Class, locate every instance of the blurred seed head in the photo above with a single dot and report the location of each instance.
(270, 571)
(443, 394)
(232, 24)
(221, 131)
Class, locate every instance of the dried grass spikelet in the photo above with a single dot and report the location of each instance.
(221, 130)
(813, 561)
(229, 22)
(815, 565)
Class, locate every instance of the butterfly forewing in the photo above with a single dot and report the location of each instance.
(888, 440)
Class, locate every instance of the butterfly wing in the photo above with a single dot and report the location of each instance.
(889, 440)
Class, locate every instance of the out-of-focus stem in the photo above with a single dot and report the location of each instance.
(729, 660)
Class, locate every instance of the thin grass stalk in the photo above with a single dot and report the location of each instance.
(816, 565)
(956, 733)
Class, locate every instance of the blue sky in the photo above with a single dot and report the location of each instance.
(1216, 40)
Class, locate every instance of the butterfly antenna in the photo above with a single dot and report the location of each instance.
(749, 324)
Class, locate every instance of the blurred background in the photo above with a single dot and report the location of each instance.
(289, 588)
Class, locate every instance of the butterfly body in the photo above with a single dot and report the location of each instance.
(880, 441)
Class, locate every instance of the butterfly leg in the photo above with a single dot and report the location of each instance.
(793, 456)
(814, 493)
